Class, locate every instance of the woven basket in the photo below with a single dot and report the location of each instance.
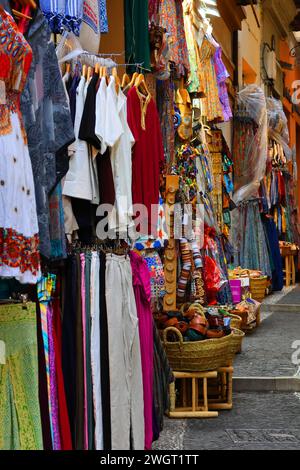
(236, 322)
(198, 356)
(237, 340)
(258, 288)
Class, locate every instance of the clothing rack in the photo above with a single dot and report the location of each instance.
(106, 247)
(139, 65)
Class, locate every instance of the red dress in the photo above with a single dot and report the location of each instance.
(148, 153)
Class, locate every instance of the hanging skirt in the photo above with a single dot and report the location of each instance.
(20, 421)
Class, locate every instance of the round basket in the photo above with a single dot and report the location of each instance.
(237, 340)
(198, 356)
(258, 288)
(236, 322)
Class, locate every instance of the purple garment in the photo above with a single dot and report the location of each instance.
(222, 75)
(53, 382)
(142, 293)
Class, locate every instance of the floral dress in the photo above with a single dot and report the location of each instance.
(171, 18)
(212, 107)
(19, 241)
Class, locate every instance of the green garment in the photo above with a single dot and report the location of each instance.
(137, 42)
(20, 420)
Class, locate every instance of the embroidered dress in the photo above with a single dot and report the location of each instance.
(212, 107)
(19, 241)
(171, 18)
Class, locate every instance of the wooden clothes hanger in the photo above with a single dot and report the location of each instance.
(133, 79)
(18, 14)
(89, 73)
(114, 73)
(103, 72)
(125, 80)
(28, 5)
(140, 83)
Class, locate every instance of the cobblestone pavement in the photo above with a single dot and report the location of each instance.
(267, 352)
(258, 421)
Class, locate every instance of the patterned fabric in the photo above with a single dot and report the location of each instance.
(46, 287)
(171, 18)
(212, 108)
(222, 76)
(191, 258)
(57, 225)
(18, 220)
(165, 106)
(63, 14)
(225, 294)
(15, 60)
(157, 275)
(44, 323)
(193, 80)
(153, 10)
(20, 420)
(47, 121)
(103, 17)
(245, 144)
(18, 251)
(53, 381)
(250, 240)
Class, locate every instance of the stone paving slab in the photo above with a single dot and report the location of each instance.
(266, 384)
(258, 421)
(269, 421)
(276, 297)
(292, 298)
(267, 352)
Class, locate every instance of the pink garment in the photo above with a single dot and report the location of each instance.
(53, 382)
(142, 292)
(86, 441)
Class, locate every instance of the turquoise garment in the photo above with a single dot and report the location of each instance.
(251, 243)
(137, 42)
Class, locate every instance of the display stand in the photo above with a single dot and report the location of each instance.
(172, 185)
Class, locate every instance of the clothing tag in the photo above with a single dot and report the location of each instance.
(2, 92)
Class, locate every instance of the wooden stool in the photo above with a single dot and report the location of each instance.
(220, 390)
(289, 271)
(287, 268)
(292, 266)
(195, 410)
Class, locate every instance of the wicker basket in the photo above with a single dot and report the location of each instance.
(198, 356)
(237, 340)
(236, 322)
(258, 288)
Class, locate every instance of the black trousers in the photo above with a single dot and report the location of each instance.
(104, 359)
